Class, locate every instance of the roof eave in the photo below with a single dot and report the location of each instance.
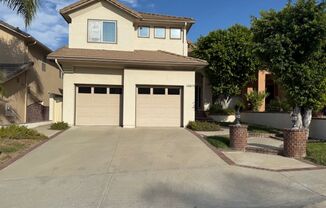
(133, 62)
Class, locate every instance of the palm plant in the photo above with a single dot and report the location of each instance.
(26, 8)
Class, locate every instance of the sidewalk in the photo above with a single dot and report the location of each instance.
(261, 153)
(47, 131)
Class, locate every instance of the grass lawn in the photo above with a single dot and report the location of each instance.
(316, 152)
(15, 140)
(220, 142)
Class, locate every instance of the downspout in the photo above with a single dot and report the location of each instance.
(26, 98)
(185, 40)
(59, 66)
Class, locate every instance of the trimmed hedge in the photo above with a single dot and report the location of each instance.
(59, 126)
(203, 126)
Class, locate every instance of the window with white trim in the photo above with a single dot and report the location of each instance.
(175, 33)
(102, 31)
(143, 32)
(159, 32)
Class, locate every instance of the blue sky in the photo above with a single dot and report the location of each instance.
(50, 28)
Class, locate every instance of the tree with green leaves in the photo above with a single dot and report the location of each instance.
(292, 43)
(25, 8)
(232, 63)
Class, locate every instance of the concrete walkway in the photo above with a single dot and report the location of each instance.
(93, 167)
(45, 129)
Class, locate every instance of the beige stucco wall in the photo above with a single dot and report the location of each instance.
(14, 95)
(134, 77)
(127, 35)
(91, 75)
(12, 49)
(44, 78)
(129, 78)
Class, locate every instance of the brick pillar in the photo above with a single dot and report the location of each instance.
(238, 137)
(295, 143)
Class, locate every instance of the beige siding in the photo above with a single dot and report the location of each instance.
(127, 34)
(158, 110)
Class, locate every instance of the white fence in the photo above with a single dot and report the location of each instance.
(283, 120)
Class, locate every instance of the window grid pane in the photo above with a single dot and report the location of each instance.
(84, 90)
(143, 32)
(144, 91)
(174, 91)
(94, 30)
(100, 90)
(109, 32)
(159, 91)
(116, 90)
(175, 33)
(159, 32)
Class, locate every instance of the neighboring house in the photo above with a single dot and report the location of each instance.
(266, 83)
(27, 78)
(128, 68)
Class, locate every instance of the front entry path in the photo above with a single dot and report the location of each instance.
(92, 167)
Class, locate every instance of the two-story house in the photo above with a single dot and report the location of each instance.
(128, 68)
(27, 79)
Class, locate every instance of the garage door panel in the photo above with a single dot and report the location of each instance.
(98, 109)
(158, 110)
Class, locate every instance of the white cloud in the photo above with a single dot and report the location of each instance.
(133, 3)
(49, 27)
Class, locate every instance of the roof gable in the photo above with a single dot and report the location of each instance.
(85, 3)
(139, 16)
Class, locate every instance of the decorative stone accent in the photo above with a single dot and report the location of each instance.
(238, 137)
(295, 143)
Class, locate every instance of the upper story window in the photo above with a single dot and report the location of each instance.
(143, 32)
(159, 32)
(175, 33)
(102, 31)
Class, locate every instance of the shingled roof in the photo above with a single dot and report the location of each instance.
(141, 16)
(138, 57)
(25, 36)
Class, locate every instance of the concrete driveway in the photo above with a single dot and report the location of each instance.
(91, 167)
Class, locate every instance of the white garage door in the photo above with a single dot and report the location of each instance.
(98, 105)
(159, 107)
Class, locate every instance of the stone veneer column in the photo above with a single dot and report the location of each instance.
(238, 137)
(295, 143)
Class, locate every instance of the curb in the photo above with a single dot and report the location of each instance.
(232, 163)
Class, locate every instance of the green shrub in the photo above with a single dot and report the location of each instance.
(217, 109)
(20, 132)
(203, 126)
(219, 141)
(255, 100)
(59, 126)
(278, 105)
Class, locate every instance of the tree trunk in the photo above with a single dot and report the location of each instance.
(225, 101)
(304, 117)
(297, 124)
